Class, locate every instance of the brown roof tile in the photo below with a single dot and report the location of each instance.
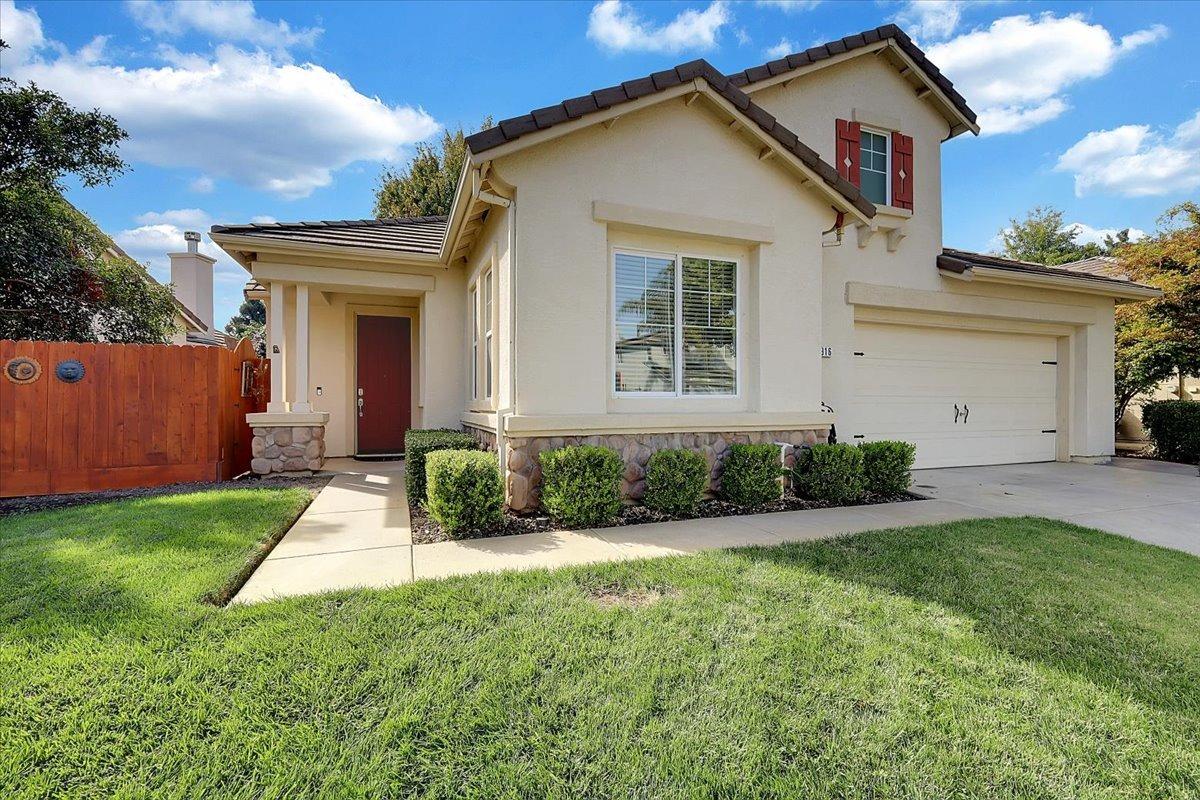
(402, 235)
(853, 42)
(512, 129)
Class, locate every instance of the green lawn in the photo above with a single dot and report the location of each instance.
(999, 658)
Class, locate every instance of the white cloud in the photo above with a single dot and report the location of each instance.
(616, 26)
(190, 218)
(263, 219)
(202, 185)
(1086, 234)
(742, 36)
(784, 48)
(1017, 118)
(1134, 161)
(789, 6)
(248, 117)
(1016, 70)
(226, 20)
(930, 19)
(21, 30)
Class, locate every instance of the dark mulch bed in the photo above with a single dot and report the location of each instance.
(426, 531)
(28, 505)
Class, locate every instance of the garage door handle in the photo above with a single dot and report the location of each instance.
(966, 413)
(956, 412)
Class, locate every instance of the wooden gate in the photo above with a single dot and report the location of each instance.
(137, 415)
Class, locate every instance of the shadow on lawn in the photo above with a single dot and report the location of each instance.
(1107, 609)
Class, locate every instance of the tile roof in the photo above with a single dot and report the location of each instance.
(512, 129)
(959, 261)
(854, 42)
(400, 234)
(1105, 266)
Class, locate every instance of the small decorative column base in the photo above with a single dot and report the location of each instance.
(287, 444)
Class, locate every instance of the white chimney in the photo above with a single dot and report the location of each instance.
(192, 277)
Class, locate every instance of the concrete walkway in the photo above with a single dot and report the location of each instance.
(356, 533)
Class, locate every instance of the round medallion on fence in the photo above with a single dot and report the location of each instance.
(69, 371)
(23, 369)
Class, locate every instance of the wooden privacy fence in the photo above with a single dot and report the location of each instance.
(114, 416)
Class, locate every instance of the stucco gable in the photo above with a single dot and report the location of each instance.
(891, 44)
(695, 78)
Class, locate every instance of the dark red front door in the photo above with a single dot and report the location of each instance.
(384, 383)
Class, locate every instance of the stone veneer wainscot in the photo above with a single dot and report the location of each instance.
(523, 477)
(287, 449)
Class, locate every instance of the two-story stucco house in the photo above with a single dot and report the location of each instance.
(689, 259)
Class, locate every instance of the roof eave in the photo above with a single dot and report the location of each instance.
(693, 86)
(1126, 291)
(948, 108)
(241, 247)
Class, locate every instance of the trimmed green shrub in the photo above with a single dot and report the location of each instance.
(675, 481)
(751, 474)
(1174, 428)
(418, 443)
(465, 490)
(832, 472)
(887, 466)
(581, 485)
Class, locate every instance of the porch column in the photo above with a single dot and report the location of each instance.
(277, 405)
(301, 402)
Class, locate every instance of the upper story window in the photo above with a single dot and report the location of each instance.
(873, 165)
(675, 320)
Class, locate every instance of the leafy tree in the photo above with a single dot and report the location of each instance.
(1040, 238)
(426, 186)
(250, 323)
(61, 278)
(1159, 338)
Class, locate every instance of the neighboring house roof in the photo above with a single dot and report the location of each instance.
(858, 41)
(512, 129)
(962, 262)
(1104, 266)
(399, 234)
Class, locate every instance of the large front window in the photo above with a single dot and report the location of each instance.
(675, 319)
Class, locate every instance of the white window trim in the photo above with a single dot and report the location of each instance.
(489, 319)
(887, 168)
(473, 300)
(678, 257)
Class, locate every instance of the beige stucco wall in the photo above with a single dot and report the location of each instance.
(1130, 429)
(437, 340)
(867, 87)
(556, 343)
(669, 158)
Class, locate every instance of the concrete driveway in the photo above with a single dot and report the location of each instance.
(1150, 502)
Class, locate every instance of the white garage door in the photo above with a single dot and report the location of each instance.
(963, 397)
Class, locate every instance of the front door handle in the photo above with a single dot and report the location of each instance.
(966, 413)
(360, 406)
(956, 412)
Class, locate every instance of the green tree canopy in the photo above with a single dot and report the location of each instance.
(61, 277)
(426, 186)
(1158, 338)
(250, 323)
(1041, 238)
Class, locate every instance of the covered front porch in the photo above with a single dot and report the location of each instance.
(350, 333)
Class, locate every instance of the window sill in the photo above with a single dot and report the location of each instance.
(895, 212)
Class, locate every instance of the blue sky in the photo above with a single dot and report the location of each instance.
(281, 110)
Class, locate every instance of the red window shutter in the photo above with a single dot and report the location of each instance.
(902, 170)
(849, 150)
